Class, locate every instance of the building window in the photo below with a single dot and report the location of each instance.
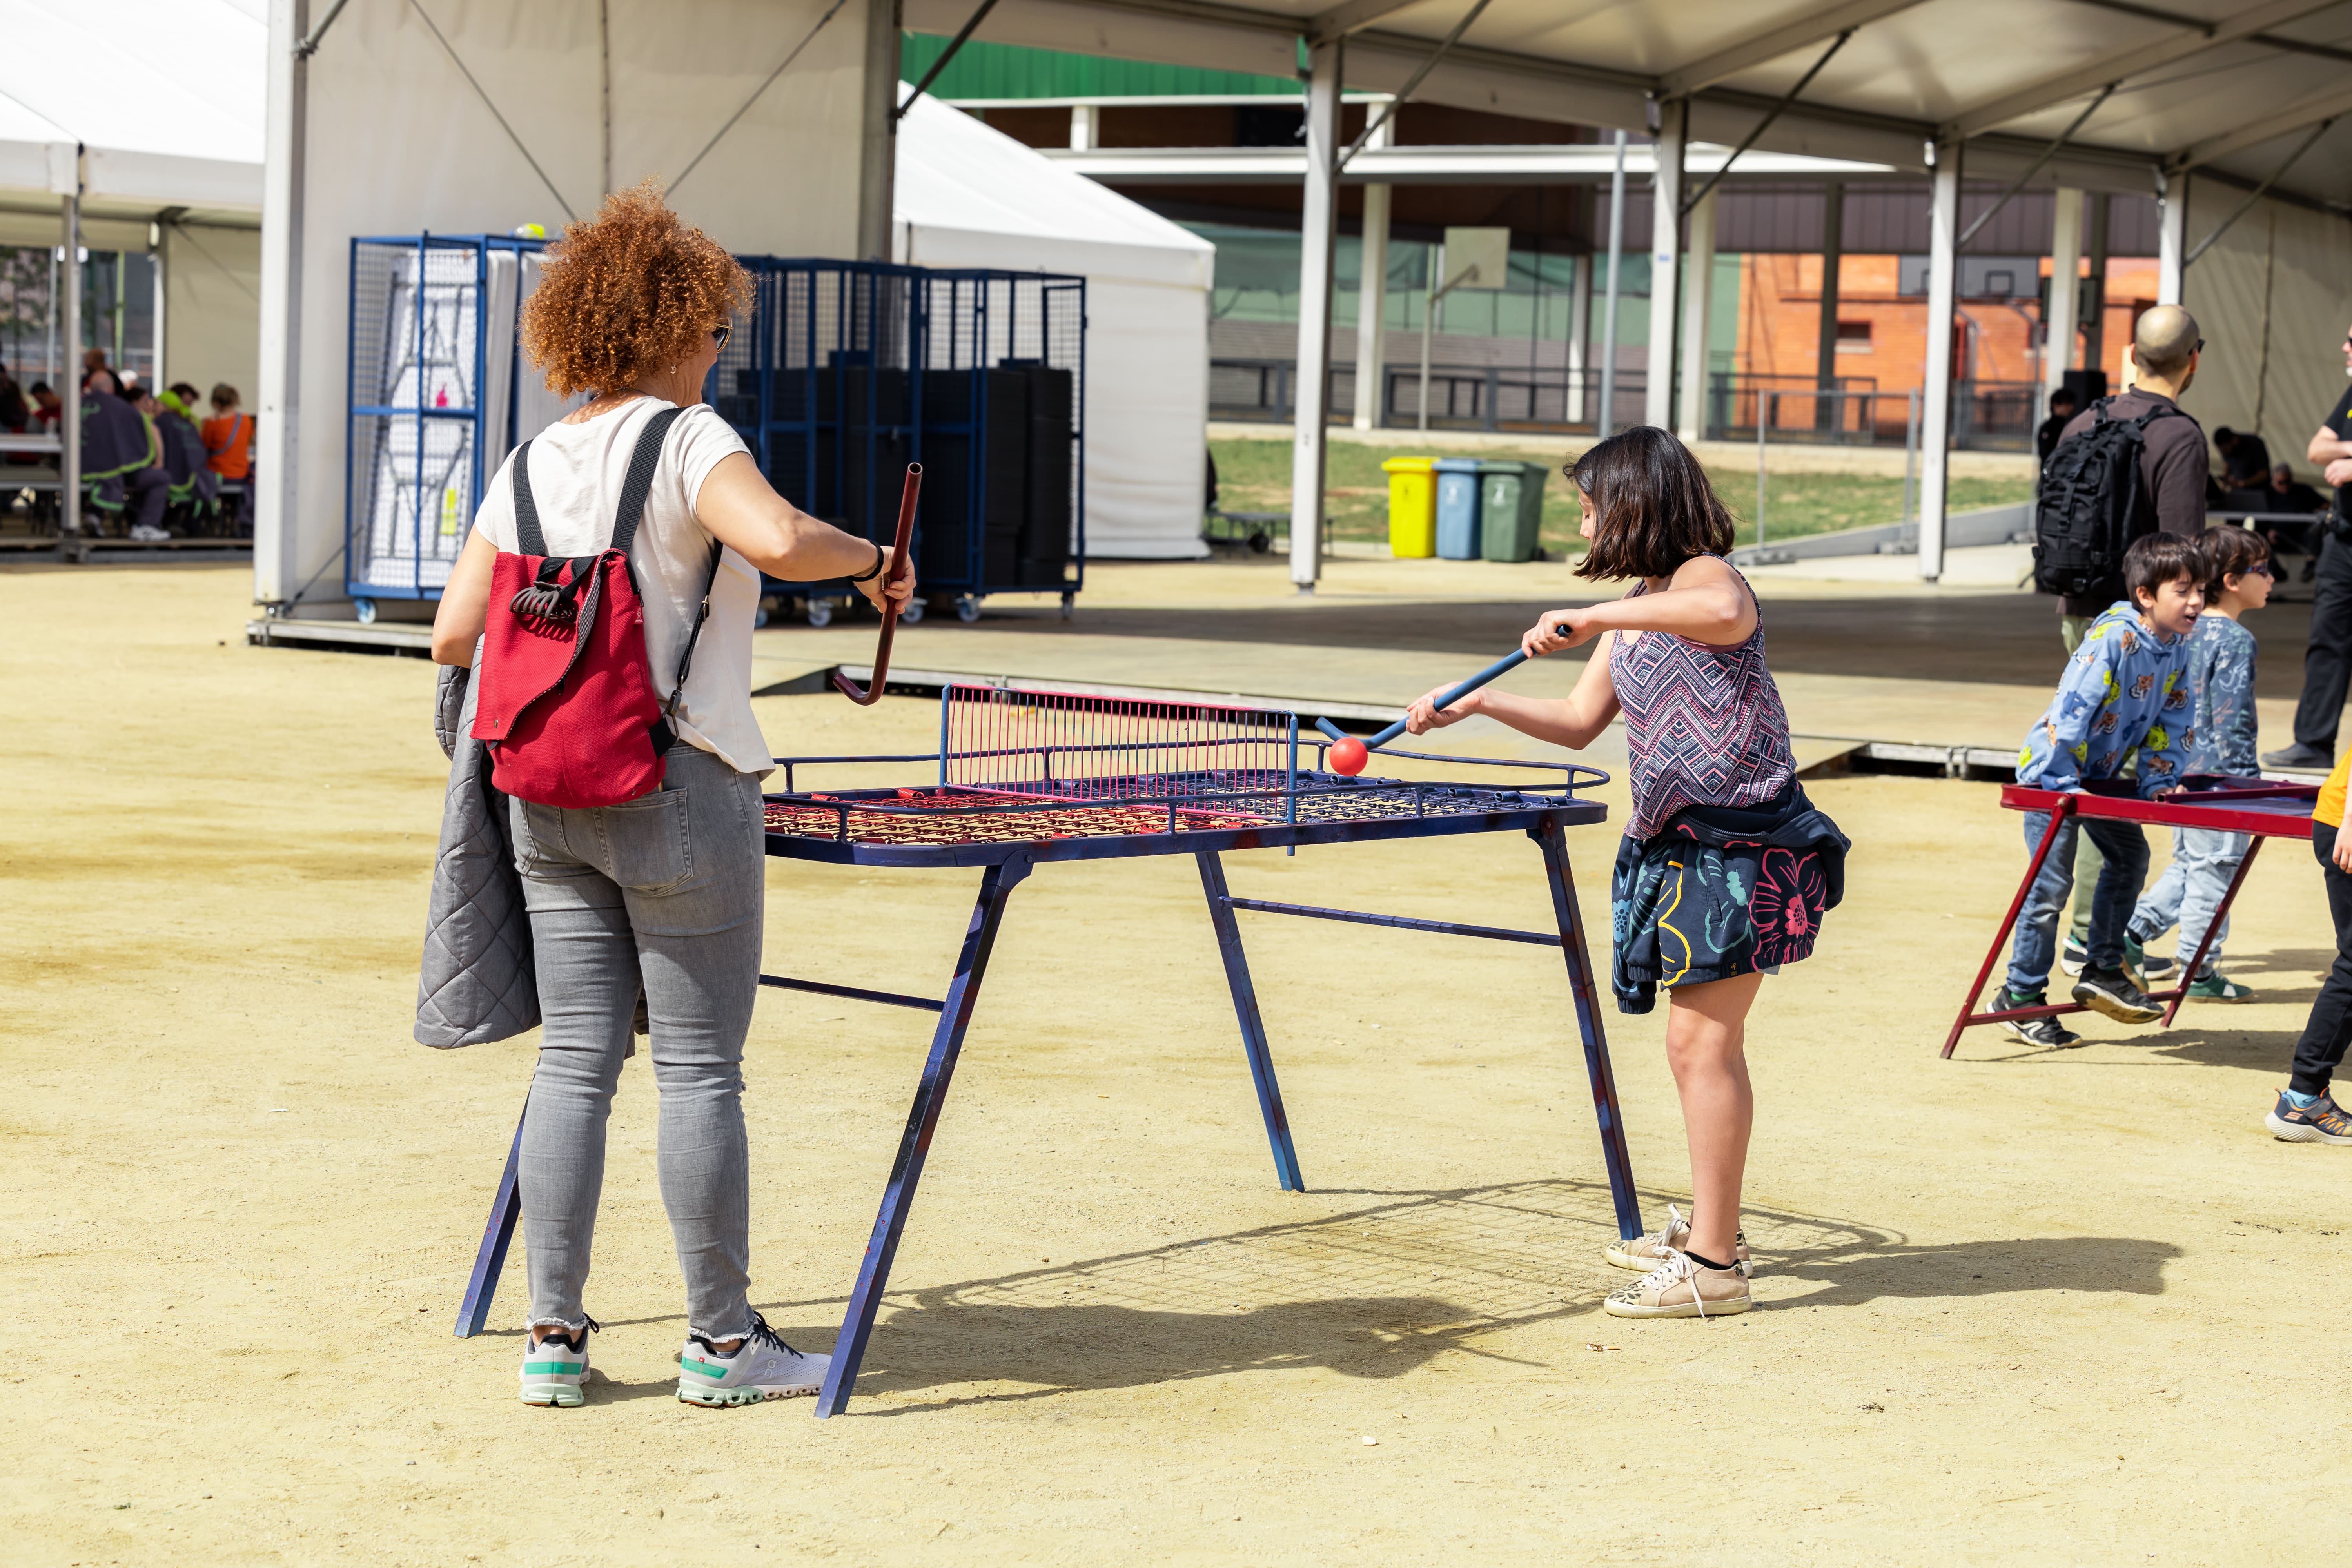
(1854, 337)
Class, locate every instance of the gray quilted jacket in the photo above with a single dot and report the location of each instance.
(477, 983)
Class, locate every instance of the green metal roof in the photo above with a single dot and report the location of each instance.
(1006, 70)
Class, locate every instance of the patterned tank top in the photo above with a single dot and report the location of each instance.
(1705, 725)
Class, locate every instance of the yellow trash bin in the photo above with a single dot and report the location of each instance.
(1412, 506)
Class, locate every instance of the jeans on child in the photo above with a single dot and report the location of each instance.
(666, 893)
(2192, 889)
(2124, 848)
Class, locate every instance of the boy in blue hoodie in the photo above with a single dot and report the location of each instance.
(2126, 693)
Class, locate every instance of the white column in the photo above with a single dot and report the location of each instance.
(1318, 231)
(1697, 295)
(277, 568)
(1372, 294)
(68, 371)
(1605, 421)
(1085, 127)
(1936, 405)
(877, 151)
(1371, 307)
(1666, 245)
(2066, 291)
(1579, 334)
(2171, 238)
(158, 236)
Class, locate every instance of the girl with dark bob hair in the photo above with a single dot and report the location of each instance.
(1726, 866)
(661, 897)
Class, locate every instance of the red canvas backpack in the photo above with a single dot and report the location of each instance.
(567, 703)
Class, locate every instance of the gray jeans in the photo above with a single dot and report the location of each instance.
(666, 892)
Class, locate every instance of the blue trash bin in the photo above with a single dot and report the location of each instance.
(1458, 535)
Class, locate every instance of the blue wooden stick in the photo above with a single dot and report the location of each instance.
(1500, 666)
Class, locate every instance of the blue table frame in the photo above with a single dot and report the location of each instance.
(1005, 864)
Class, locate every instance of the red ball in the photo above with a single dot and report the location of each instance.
(1348, 756)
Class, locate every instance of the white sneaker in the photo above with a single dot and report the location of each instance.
(146, 535)
(554, 1368)
(761, 1367)
(1646, 1253)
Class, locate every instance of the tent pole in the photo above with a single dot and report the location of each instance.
(878, 159)
(2171, 237)
(1697, 296)
(1935, 414)
(1317, 235)
(157, 234)
(277, 534)
(1372, 304)
(68, 383)
(1666, 252)
(1605, 419)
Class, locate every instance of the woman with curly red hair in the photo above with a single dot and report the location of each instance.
(1726, 866)
(663, 896)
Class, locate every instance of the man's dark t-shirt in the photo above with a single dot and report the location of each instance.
(2045, 439)
(2172, 470)
(2341, 423)
(2249, 462)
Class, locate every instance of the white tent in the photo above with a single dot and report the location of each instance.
(969, 197)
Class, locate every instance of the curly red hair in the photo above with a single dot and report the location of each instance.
(627, 293)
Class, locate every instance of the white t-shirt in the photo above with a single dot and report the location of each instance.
(577, 472)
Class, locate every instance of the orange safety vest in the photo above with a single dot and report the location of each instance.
(229, 442)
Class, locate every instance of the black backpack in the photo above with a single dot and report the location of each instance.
(2093, 506)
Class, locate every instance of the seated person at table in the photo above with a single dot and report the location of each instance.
(2237, 569)
(2125, 694)
(121, 463)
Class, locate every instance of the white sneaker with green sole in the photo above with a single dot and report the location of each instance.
(554, 1368)
(761, 1367)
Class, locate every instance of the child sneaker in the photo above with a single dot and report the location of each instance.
(2214, 986)
(2034, 1031)
(1679, 1288)
(554, 1368)
(2111, 992)
(2072, 956)
(761, 1367)
(2320, 1123)
(2146, 971)
(1646, 1253)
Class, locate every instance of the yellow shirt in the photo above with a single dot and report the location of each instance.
(2330, 807)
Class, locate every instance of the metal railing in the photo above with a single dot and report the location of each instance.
(1461, 397)
(1987, 415)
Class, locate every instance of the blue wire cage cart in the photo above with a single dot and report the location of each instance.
(437, 391)
(847, 372)
(1026, 778)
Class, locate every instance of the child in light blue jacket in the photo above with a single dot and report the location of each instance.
(2237, 571)
(2126, 693)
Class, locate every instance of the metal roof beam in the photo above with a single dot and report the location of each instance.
(2116, 68)
(2310, 111)
(1818, 27)
(1351, 18)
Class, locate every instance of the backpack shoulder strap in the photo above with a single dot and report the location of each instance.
(529, 540)
(640, 482)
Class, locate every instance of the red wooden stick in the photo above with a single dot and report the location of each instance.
(899, 563)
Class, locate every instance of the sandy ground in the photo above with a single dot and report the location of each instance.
(2062, 1305)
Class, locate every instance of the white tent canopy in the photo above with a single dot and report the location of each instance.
(971, 196)
(163, 98)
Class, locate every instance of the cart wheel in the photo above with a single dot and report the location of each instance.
(820, 611)
(967, 607)
(365, 610)
(1259, 541)
(1069, 606)
(912, 615)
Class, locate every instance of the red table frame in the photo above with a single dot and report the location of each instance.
(2262, 808)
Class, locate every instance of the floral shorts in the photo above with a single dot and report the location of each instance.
(1685, 913)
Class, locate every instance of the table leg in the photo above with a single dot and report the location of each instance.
(2058, 816)
(947, 1044)
(2189, 974)
(1587, 1022)
(497, 1234)
(1253, 1042)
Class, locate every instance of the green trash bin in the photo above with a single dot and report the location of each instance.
(1511, 507)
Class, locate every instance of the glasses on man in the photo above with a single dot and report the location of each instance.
(720, 333)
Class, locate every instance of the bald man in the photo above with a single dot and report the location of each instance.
(2172, 466)
(2172, 475)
